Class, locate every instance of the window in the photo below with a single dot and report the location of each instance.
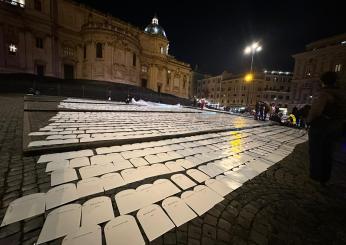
(12, 49)
(38, 5)
(84, 51)
(134, 59)
(99, 53)
(338, 68)
(144, 69)
(287, 97)
(273, 96)
(161, 50)
(39, 42)
(68, 51)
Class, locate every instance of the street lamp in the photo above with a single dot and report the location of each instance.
(252, 49)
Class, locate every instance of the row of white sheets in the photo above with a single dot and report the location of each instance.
(155, 221)
(66, 193)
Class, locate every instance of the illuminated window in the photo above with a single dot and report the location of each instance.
(12, 49)
(38, 5)
(161, 50)
(68, 51)
(39, 42)
(337, 67)
(144, 69)
(99, 53)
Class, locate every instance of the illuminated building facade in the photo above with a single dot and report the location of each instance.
(65, 39)
(234, 91)
(321, 56)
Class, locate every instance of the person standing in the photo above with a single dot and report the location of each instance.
(257, 109)
(325, 119)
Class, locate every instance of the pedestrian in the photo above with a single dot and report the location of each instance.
(194, 101)
(266, 111)
(261, 111)
(257, 109)
(325, 118)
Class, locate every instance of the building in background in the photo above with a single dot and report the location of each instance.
(232, 90)
(321, 56)
(196, 75)
(68, 40)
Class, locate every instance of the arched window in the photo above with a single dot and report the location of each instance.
(99, 50)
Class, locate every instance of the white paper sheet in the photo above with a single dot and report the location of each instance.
(154, 221)
(90, 235)
(60, 195)
(182, 181)
(24, 208)
(178, 211)
(60, 222)
(96, 211)
(123, 230)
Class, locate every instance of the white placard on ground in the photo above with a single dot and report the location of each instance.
(123, 230)
(90, 186)
(182, 181)
(154, 221)
(166, 188)
(229, 182)
(60, 195)
(178, 211)
(62, 176)
(52, 166)
(239, 177)
(197, 175)
(201, 199)
(137, 162)
(25, 207)
(174, 167)
(88, 235)
(111, 181)
(96, 211)
(60, 222)
(219, 187)
(96, 170)
(128, 201)
(79, 162)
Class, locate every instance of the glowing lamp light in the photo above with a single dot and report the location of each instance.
(258, 49)
(254, 46)
(247, 50)
(248, 77)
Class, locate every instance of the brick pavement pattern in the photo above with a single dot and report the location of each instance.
(280, 206)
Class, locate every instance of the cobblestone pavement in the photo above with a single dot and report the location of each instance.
(280, 206)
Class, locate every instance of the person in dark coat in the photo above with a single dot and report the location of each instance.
(325, 118)
(257, 109)
(266, 109)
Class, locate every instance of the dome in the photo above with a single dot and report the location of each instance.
(155, 29)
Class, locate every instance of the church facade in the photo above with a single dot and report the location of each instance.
(64, 39)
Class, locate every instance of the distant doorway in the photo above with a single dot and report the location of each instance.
(144, 83)
(40, 70)
(159, 89)
(68, 71)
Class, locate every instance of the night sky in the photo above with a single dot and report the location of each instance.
(213, 34)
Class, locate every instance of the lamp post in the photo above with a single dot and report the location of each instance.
(252, 49)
